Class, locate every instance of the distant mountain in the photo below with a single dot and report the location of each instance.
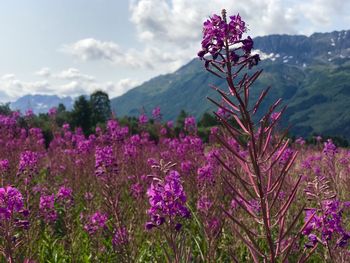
(311, 74)
(40, 103)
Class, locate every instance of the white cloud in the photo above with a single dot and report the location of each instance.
(170, 31)
(75, 88)
(8, 76)
(86, 84)
(73, 74)
(323, 13)
(148, 58)
(172, 22)
(69, 82)
(92, 49)
(12, 88)
(179, 22)
(43, 72)
(169, 34)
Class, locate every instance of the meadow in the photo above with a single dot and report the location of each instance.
(249, 194)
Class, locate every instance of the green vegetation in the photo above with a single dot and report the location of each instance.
(315, 87)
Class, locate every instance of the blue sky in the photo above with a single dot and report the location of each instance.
(70, 47)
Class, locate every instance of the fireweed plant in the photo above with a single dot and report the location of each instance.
(12, 221)
(269, 228)
(168, 209)
(327, 227)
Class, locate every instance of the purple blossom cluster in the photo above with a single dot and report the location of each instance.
(114, 131)
(29, 113)
(9, 122)
(285, 155)
(4, 165)
(156, 113)
(190, 124)
(96, 222)
(104, 161)
(168, 201)
(206, 174)
(52, 112)
(329, 148)
(216, 31)
(65, 196)
(143, 119)
(326, 223)
(47, 208)
(11, 202)
(28, 161)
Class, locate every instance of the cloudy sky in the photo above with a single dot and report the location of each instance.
(73, 47)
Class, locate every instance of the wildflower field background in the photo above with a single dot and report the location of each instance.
(163, 192)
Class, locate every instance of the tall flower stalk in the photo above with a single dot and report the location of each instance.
(11, 209)
(168, 210)
(259, 175)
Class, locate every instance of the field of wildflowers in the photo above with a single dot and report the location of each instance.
(248, 195)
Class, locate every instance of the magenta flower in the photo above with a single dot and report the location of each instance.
(4, 165)
(214, 130)
(96, 221)
(186, 166)
(47, 207)
(28, 161)
(285, 156)
(170, 124)
(329, 148)
(312, 241)
(156, 113)
(326, 223)
(190, 124)
(65, 126)
(206, 174)
(65, 195)
(167, 200)
(104, 161)
(52, 112)
(130, 151)
(163, 131)
(29, 113)
(84, 146)
(143, 119)
(11, 201)
(216, 30)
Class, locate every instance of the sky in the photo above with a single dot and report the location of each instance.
(73, 47)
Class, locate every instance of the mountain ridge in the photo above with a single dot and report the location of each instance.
(302, 70)
(40, 103)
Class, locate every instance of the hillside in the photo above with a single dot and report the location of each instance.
(311, 74)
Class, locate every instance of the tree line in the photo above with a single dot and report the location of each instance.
(88, 112)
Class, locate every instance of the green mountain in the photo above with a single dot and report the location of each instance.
(311, 74)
